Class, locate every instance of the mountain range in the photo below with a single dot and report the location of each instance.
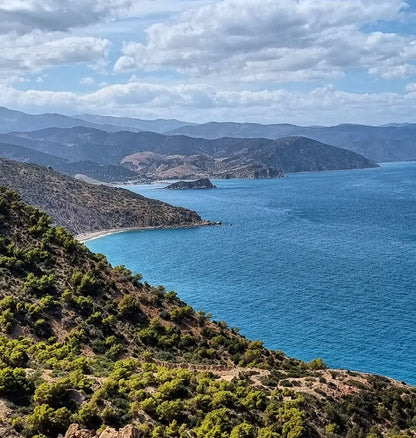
(156, 156)
(391, 142)
(395, 142)
(12, 120)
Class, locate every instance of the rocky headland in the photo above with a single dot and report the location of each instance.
(86, 208)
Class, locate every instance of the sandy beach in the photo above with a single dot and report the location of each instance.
(84, 237)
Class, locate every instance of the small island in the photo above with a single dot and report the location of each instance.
(203, 183)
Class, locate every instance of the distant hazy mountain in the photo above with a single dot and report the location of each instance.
(132, 124)
(394, 142)
(214, 130)
(391, 142)
(155, 156)
(11, 120)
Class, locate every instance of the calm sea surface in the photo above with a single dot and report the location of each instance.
(316, 265)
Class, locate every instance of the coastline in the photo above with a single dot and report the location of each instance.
(91, 235)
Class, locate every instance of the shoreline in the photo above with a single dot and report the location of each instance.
(92, 235)
(214, 178)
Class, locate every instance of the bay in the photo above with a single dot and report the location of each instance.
(317, 264)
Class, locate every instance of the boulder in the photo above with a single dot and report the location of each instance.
(74, 431)
(128, 432)
(109, 432)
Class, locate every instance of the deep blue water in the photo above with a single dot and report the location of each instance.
(317, 265)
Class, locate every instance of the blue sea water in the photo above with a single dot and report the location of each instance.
(317, 264)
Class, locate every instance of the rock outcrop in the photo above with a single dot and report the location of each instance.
(203, 183)
(74, 431)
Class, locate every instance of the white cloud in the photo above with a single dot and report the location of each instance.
(36, 51)
(88, 80)
(325, 105)
(230, 54)
(275, 40)
(411, 88)
(23, 16)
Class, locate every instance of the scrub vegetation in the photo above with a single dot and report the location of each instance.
(83, 342)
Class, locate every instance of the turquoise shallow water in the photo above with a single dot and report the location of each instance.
(317, 265)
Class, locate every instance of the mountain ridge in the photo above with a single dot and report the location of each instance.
(395, 142)
(157, 156)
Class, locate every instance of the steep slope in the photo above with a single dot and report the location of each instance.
(158, 156)
(82, 207)
(84, 342)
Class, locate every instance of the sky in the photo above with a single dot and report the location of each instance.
(306, 62)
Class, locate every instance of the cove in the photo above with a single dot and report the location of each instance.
(316, 265)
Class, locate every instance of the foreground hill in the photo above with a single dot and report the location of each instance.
(83, 207)
(156, 156)
(378, 143)
(86, 343)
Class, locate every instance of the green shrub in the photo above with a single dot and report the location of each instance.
(128, 306)
(52, 394)
(317, 364)
(14, 384)
(7, 320)
(39, 286)
(48, 421)
(243, 430)
(181, 313)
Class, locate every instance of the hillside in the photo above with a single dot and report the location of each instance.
(109, 173)
(156, 156)
(378, 143)
(86, 343)
(83, 207)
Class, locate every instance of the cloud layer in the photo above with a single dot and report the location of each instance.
(276, 40)
(320, 106)
(200, 60)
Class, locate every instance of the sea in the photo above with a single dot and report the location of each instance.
(318, 264)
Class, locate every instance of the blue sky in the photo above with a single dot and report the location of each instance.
(271, 61)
